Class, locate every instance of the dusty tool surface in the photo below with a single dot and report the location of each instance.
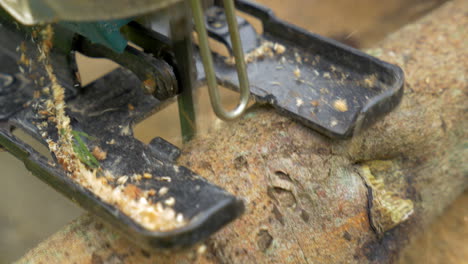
(121, 170)
(332, 88)
(297, 214)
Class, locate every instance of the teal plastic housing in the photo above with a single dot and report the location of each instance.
(106, 33)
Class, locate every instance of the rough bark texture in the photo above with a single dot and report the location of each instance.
(306, 202)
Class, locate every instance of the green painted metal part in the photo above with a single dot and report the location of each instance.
(106, 33)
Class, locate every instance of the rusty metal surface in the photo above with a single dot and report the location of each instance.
(306, 201)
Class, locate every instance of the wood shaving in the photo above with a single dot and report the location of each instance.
(370, 81)
(163, 191)
(151, 192)
(299, 102)
(137, 177)
(132, 191)
(164, 178)
(180, 218)
(278, 48)
(340, 105)
(266, 49)
(99, 154)
(297, 73)
(298, 57)
(170, 201)
(201, 249)
(122, 180)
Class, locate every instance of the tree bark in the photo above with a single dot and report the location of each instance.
(306, 199)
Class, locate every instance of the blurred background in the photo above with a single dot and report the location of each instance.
(30, 211)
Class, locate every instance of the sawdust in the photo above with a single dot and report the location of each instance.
(132, 191)
(297, 73)
(99, 154)
(163, 191)
(122, 180)
(155, 217)
(267, 49)
(370, 81)
(340, 105)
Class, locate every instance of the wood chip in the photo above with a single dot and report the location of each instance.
(122, 180)
(278, 48)
(163, 191)
(137, 177)
(170, 201)
(132, 191)
(297, 73)
(151, 192)
(99, 154)
(340, 105)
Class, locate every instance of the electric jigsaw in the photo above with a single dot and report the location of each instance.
(138, 188)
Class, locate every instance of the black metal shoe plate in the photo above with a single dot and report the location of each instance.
(102, 112)
(332, 88)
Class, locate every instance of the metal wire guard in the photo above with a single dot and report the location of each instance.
(207, 60)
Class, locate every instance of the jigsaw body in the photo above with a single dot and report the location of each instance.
(329, 87)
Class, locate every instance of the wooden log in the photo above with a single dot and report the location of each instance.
(307, 200)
